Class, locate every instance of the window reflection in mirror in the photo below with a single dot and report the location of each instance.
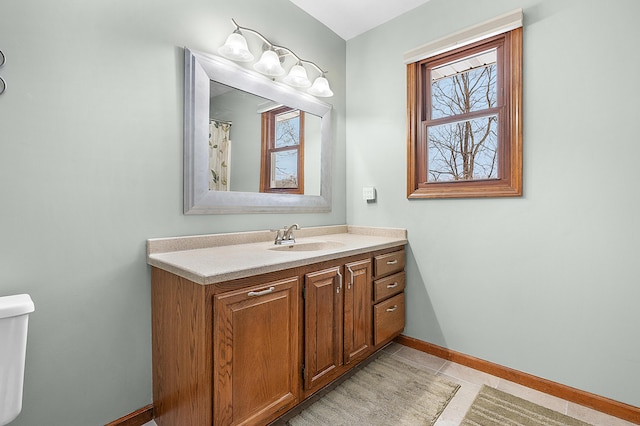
(257, 145)
(282, 168)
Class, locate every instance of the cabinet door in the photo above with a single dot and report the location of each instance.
(323, 326)
(256, 367)
(357, 310)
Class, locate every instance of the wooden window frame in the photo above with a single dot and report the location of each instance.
(268, 147)
(509, 181)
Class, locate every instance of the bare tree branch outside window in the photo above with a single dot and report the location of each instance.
(466, 149)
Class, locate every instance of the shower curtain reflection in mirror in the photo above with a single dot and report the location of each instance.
(219, 155)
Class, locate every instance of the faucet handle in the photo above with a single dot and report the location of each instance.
(279, 234)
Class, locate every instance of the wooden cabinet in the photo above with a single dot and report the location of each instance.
(388, 308)
(389, 319)
(389, 263)
(323, 326)
(244, 352)
(338, 321)
(357, 311)
(384, 288)
(225, 354)
(255, 352)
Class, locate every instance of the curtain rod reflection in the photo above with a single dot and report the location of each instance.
(230, 123)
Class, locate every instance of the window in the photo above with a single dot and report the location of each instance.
(464, 121)
(282, 168)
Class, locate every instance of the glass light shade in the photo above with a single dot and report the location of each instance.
(235, 48)
(321, 88)
(269, 64)
(297, 77)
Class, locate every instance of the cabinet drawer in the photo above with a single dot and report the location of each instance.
(388, 318)
(389, 263)
(388, 286)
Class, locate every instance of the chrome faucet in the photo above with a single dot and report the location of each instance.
(288, 233)
(285, 236)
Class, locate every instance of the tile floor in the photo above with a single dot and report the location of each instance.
(471, 380)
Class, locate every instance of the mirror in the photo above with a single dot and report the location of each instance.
(210, 79)
(236, 138)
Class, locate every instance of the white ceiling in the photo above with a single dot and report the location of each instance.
(349, 18)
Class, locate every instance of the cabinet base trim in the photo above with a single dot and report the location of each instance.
(599, 403)
(137, 418)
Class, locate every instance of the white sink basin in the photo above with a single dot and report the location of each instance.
(308, 246)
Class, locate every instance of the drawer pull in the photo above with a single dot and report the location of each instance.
(261, 293)
(393, 308)
(394, 285)
(392, 262)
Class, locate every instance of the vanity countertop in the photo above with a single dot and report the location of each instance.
(210, 259)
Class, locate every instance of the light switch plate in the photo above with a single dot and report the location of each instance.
(368, 193)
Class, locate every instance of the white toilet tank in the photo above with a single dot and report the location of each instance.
(14, 317)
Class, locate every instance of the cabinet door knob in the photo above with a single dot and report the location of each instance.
(261, 292)
(393, 308)
(340, 286)
(392, 262)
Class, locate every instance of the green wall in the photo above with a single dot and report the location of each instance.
(246, 136)
(546, 283)
(91, 166)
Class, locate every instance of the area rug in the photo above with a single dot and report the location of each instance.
(496, 408)
(388, 391)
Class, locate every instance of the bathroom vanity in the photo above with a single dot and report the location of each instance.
(244, 330)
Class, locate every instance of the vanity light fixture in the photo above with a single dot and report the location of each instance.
(270, 63)
(297, 77)
(3, 84)
(321, 87)
(235, 48)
